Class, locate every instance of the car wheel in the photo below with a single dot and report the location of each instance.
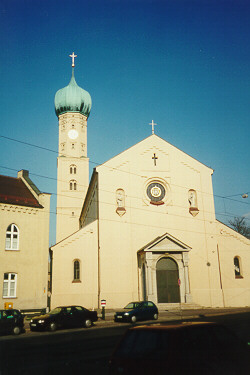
(155, 317)
(133, 319)
(87, 323)
(52, 327)
(16, 330)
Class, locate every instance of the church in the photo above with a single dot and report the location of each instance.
(143, 227)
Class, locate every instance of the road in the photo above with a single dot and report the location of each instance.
(87, 350)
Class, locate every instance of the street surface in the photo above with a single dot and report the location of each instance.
(87, 350)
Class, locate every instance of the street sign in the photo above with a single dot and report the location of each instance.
(103, 302)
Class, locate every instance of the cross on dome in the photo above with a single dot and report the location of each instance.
(153, 126)
(73, 59)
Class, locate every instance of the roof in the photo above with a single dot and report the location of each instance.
(73, 98)
(14, 191)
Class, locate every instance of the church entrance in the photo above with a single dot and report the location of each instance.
(167, 278)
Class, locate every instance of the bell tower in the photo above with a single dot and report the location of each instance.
(72, 106)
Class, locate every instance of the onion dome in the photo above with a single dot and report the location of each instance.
(73, 98)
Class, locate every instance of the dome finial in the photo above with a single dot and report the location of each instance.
(73, 59)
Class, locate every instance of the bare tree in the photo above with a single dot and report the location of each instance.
(239, 225)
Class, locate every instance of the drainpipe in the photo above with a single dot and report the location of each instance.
(222, 290)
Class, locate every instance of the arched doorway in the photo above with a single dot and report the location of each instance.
(167, 277)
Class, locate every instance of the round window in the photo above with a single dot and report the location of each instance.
(156, 192)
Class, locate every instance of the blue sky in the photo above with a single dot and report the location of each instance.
(184, 64)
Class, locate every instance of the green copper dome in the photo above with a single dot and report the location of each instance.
(72, 98)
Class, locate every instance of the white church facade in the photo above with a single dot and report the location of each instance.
(144, 228)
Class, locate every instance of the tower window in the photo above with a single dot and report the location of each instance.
(72, 169)
(73, 146)
(12, 238)
(72, 185)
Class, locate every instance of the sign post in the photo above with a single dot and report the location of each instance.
(103, 305)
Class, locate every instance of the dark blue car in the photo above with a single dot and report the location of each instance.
(144, 310)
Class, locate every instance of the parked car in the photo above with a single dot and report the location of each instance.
(64, 317)
(144, 310)
(194, 347)
(11, 321)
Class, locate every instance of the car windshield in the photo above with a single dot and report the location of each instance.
(132, 305)
(55, 311)
(138, 344)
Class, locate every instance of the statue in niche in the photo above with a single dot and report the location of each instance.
(120, 202)
(193, 205)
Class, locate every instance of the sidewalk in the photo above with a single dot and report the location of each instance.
(176, 314)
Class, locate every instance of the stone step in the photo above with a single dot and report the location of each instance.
(178, 306)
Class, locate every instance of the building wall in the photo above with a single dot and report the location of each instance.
(30, 262)
(122, 236)
(236, 290)
(81, 246)
(118, 220)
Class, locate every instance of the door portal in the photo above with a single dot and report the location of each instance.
(167, 277)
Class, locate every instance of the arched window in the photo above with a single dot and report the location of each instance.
(72, 169)
(72, 185)
(237, 268)
(76, 270)
(12, 238)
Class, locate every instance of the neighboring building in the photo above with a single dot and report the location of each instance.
(24, 243)
(147, 230)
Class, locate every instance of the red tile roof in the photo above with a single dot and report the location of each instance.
(14, 191)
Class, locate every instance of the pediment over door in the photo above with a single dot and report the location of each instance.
(165, 243)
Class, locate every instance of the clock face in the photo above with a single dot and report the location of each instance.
(73, 134)
(156, 192)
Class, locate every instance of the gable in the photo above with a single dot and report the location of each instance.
(165, 243)
(155, 150)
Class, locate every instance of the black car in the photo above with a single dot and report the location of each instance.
(144, 310)
(11, 321)
(64, 317)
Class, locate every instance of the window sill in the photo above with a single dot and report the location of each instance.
(76, 281)
(239, 277)
(9, 297)
(12, 250)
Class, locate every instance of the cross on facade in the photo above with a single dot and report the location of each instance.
(155, 158)
(153, 126)
(73, 59)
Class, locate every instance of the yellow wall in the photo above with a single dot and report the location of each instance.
(30, 262)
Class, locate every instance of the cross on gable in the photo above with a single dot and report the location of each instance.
(154, 158)
(153, 126)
